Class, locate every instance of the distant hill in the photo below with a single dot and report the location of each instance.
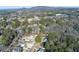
(37, 8)
(7, 11)
(43, 8)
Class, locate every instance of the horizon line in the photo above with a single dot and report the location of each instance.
(18, 7)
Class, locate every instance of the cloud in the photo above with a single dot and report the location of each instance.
(39, 2)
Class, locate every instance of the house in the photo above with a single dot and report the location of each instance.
(30, 20)
(29, 42)
(35, 29)
(36, 18)
(61, 15)
(41, 50)
(17, 49)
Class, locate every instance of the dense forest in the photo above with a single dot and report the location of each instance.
(59, 26)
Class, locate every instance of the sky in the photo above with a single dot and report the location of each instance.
(28, 3)
(13, 7)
